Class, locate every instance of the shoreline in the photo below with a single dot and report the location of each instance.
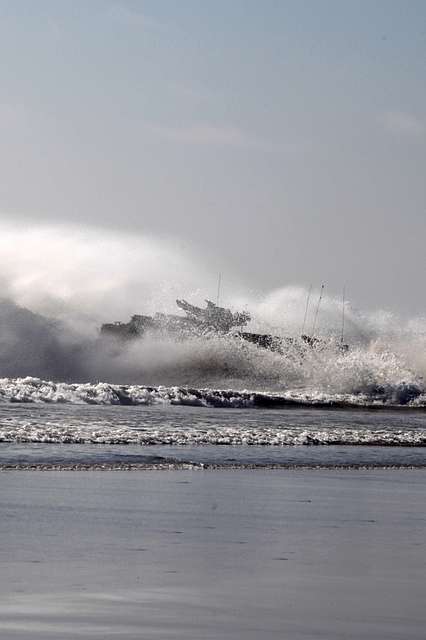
(208, 467)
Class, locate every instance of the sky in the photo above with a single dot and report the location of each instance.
(280, 142)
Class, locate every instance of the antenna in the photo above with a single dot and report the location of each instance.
(306, 309)
(317, 310)
(342, 336)
(219, 282)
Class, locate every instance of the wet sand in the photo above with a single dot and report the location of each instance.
(196, 554)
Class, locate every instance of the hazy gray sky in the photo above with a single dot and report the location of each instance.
(283, 141)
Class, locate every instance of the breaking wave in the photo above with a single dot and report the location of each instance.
(49, 322)
(387, 370)
(229, 437)
(55, 433)
(35, 390)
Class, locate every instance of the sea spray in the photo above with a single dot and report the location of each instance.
(61, 283)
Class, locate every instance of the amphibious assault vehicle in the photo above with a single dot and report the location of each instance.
(196, 321)
(212, 320)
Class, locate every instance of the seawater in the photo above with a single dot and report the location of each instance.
(46, 424)
(69, 397)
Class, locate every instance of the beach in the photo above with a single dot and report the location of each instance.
(212, 320)
(192, 554)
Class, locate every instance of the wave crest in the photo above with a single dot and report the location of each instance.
(36, 390)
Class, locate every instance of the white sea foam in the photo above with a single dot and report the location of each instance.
(51, 433)
(35, 390)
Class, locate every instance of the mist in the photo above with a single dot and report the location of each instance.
(88, 275)
(60, 283)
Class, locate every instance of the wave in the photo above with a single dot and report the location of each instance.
(217, 436)
(160, 368)
(36, 390)
(50, 318)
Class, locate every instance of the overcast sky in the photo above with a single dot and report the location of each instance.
(282, 141)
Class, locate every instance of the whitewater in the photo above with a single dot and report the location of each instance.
(69, 396)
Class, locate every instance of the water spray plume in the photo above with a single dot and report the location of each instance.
(59, 284)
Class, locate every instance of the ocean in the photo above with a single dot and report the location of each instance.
(168, 400)
(212, 490)
(61, 425)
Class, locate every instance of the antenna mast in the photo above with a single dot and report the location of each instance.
(306, 309)
(342, 336)
(219, 282)
(317, 310)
